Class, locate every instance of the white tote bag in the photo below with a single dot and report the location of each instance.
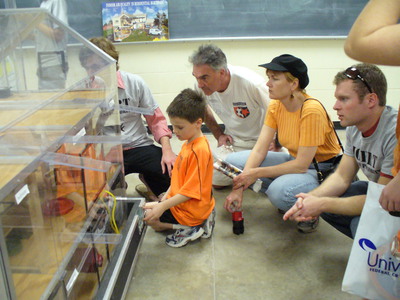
(373, 269)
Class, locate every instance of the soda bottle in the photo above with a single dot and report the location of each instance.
(238, 222)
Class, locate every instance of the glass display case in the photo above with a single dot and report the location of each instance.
(67, 229)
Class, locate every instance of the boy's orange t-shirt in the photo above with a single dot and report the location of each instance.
(192, 177)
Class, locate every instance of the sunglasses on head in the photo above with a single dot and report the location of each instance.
(354, 74)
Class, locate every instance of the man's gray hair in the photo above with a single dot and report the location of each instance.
(209, 55)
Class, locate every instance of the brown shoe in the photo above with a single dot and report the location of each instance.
(142, 190)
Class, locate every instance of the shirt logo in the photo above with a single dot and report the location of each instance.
(241, 111)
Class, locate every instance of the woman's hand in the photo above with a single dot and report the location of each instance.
(245, 179)
(233, 201)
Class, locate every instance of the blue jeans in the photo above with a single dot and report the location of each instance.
(282, 190)
(347, 224)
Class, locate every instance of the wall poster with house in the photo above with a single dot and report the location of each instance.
(133, 21)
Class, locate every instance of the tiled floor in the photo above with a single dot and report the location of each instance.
(271, 260)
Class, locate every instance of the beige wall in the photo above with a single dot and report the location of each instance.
(165, 67)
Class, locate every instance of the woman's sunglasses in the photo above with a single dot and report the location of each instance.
(354, 74)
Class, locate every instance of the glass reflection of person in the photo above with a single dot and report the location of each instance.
(141, 155)
(51, 47)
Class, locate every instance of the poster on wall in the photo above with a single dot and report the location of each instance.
(135, 21)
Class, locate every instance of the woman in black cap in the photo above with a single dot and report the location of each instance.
(304, 129)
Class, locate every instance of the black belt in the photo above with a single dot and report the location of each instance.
(331, 160)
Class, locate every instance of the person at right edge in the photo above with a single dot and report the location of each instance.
(374, 38)
(304, 129)
(370, 140)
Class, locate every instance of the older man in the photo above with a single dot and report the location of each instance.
(237, 95)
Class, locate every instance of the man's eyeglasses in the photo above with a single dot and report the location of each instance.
(354, 74)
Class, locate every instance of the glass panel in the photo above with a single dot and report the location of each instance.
(60, 158)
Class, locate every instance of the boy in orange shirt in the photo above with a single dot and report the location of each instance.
(188, 205)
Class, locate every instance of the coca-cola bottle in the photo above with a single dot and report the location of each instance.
(238, 222)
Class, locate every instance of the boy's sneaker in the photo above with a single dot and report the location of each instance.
(308, 226)
(183, 236)
(208, 225)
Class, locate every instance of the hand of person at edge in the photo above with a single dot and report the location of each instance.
(167, 162)
(390, 196)
(225, 139)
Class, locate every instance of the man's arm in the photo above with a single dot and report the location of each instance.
(168, 156)
(309, 206)
(158, 126)
(339, 181)
(223, 139)
(374, 37)
(325, 198)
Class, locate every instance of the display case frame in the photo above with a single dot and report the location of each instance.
(67, 228)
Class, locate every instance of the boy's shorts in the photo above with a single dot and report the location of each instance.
(168, 217)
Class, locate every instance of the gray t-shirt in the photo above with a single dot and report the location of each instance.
(374, 154)
(135, 94)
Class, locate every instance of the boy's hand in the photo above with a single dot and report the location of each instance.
(150, 205)
(153, 211)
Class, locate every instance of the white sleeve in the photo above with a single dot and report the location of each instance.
(59, 10)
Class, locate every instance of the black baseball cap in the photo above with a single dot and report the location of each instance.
(291, 64)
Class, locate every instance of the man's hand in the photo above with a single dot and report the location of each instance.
(293, 210)
(306, 208)
(274, 147)
(167, 161)
(225, 139)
